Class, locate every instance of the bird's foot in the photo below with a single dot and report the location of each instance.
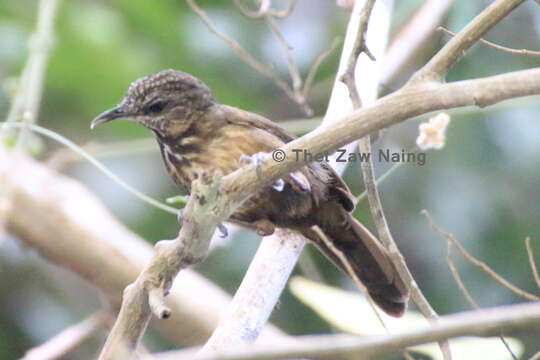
(256, 159)
(264, 227)
(279, 185)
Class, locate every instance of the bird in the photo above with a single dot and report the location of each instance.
(196, 134)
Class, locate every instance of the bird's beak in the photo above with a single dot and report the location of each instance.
(108, 115)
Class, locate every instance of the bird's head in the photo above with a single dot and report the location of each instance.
(163, 102)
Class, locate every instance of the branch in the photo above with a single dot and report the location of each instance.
(63, 343)
(437, 68)
(205, 209)
(482, 265)
(368, 175)
(295, 92)
(267, 275)
(486, 322)
(531, 261)
(451, 240)
(498, 47)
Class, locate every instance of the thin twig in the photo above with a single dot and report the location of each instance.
(439, 65)
(466, 292)
(358, 48)
(496, 46)
(316, 64)
(531, 261)
(64, 342)
(291, 65)
(243, 53)
(482, 265)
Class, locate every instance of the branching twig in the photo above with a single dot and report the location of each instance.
(358, 48)
(241, 52)
(437, 68)
(459, 281)
(295, 92)
(482, 265)
(496, 46)
(113, 256)
(202, 214)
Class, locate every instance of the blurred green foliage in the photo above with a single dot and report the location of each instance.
(483, 186)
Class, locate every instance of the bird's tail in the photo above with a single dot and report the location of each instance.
(369, 261)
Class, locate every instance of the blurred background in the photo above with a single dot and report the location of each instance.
(483, 186)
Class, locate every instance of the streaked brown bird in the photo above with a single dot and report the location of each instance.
(195, 133)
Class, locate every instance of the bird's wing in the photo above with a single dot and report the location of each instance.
(337, 187)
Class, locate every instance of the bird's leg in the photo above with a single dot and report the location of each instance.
(256, 159)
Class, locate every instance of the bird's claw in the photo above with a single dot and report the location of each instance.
(279, 185)
(223, 230)
(299, 181)
(254, 159)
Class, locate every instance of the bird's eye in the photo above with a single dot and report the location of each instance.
(156, 107)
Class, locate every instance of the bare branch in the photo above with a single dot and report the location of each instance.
(203, 212)
(462, 286)
(63, 343)
(445, 59)
(482, 265)
(496, 46)
(267, 275)
(241, 52)
(531, 261)
(316, 64)
(358, 48)
(368, 174)
(472, 323)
